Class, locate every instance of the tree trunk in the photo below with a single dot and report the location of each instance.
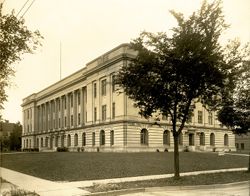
(249, 163)
(176, 157)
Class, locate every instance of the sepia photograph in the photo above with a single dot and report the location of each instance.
(122, 97)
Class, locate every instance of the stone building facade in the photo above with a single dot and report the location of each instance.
(242, 142)
(84, 111)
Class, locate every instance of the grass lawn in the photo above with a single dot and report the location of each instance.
(65, 166)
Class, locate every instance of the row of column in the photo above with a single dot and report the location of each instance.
(67, 111)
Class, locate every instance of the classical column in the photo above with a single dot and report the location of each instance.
(42, 117)
(75, 109)
(82, 106)
(61, 112)
(46, 116)
(67, 110)
(56, 113)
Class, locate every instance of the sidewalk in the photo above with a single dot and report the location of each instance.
(87, 183)
(50, 188)
(40, 186)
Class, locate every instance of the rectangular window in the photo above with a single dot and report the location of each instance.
(113, 110)
(59, 105)
(71, 100)
(210, 118)
(79, 98)
(200, 120)
(164, 117)
(103, 87)
(79, 118)
(237, 146)
(65, 121)
(104, 109)
(93, 138)
(95, 114)
(65, 103)
(71, 120)
(59, 122)
(28, 114)
(94, 90)
(242, 146)
(113, 83)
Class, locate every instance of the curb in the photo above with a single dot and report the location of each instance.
(163, 188)
(196, 187)
(119, 192)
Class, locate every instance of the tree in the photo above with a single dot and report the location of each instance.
(15, 40)
(235, 111)
(15, 137)
(10, 137)
(170, 74)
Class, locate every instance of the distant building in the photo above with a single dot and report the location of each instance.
(10, 136)
(6, 129)
(242, 142)
(84, 111)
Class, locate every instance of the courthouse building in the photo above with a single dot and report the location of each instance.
(84, 111)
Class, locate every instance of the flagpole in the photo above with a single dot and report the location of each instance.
(60, 60)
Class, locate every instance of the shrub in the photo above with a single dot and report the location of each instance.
(165, 150)
(78, 149)
(62, 149)
(19, 192)
(82, 149)
(185, 149)
(30, 149)
(157, 150)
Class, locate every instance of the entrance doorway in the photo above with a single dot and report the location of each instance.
(191, 139)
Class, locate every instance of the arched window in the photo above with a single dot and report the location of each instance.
(181, 139)
(37, 142)
(166, 137)
(46, 141)
(69, 140)
(212, 139)
(202, 139)
(56, 141)
(41, 142)
(84, 139)
(102, 137)
(225, 140)
(76, 140)
(62, 141)
(111, 138)
(144, 136)
(93, 138)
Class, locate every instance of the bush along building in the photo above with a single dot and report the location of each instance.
(85, 112)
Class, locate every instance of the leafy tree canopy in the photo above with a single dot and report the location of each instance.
(235, 111)
(15, 40)
(171, 73)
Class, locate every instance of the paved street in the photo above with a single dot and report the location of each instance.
(232, 189)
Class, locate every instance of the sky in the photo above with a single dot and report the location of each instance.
(88, 28)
